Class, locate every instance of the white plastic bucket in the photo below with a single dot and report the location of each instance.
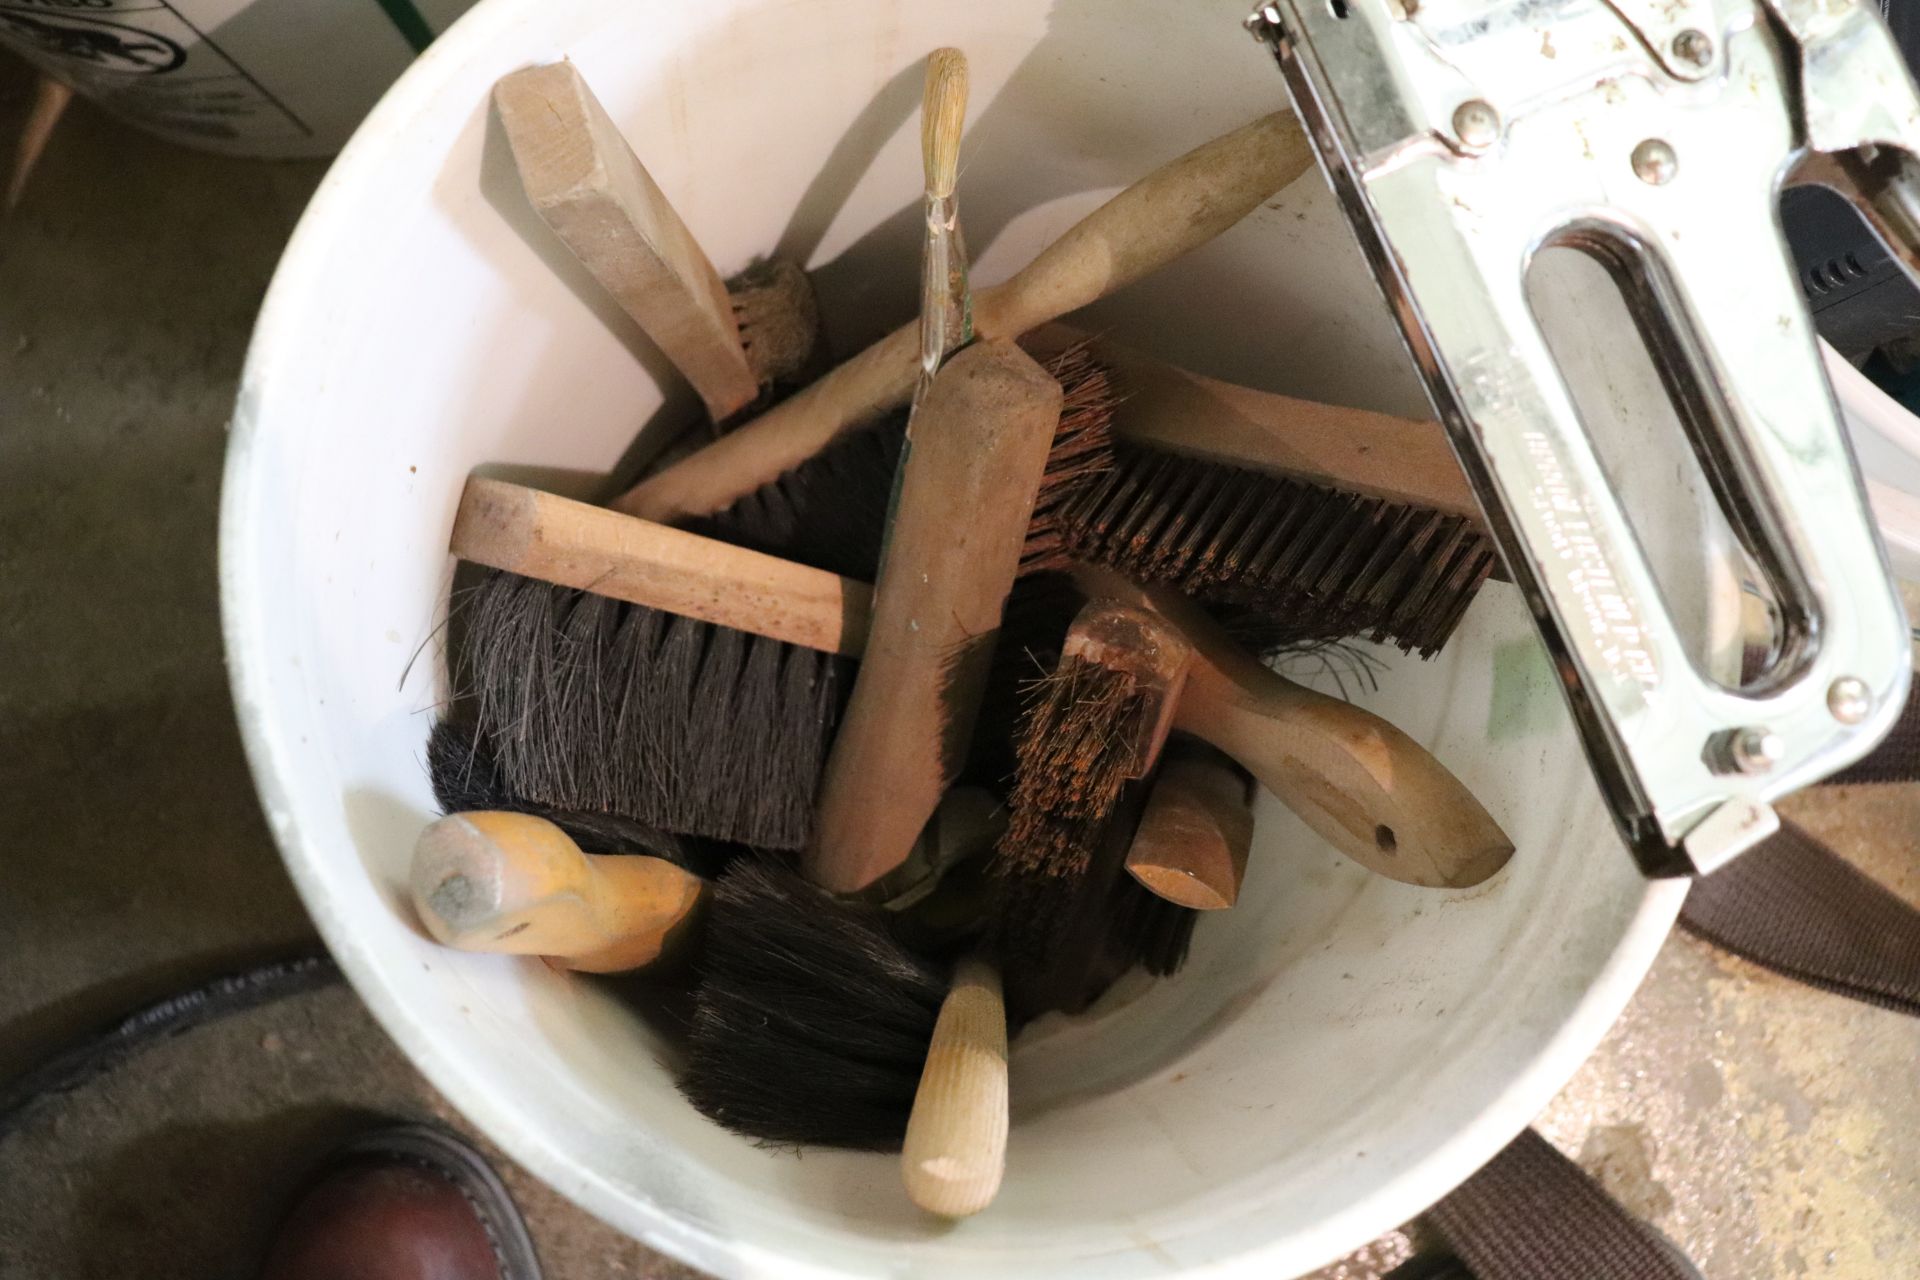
(1340, 1051)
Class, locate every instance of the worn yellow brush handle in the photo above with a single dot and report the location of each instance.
(587, 184)
(955, 1152)
(513, 883)
(1174, 209)
(574, 544)
(1365, 787)
(1167, 408)
(976, 449)
(1192, 842)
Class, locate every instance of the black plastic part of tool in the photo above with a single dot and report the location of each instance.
(1860, 298)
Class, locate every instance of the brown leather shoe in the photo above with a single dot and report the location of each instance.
(405, 1203)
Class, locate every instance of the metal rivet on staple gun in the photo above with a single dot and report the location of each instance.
(1849, 700)
(1655, 163)
(1476, 124)
(1694, 47)
(1263, 24)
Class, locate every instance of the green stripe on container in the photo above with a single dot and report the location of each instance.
(409, 22)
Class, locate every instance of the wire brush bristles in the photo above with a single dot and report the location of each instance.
(589, 704)
(1074, 754)
(811, 1022)
(1321, 563)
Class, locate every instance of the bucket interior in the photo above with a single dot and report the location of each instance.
(1339, 1051)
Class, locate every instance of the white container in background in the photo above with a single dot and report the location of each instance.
(1340, 1051)
(269, 78)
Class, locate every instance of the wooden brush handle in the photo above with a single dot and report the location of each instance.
(586, 183)
(1367, 788)
(955, 1151)
(1191, 846)
(975, 452)
(1174, 209)
(1167, 408)
(513, 883)
(574, 544)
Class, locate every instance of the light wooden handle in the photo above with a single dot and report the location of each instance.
(955, 1152)
(1173, 209)
(1192, 842)
(1170, 212)
(574, 544)
(975, 452)
(1365, 787)
(586, 183)
(1167, 408)
(943, 114)
(513, 883)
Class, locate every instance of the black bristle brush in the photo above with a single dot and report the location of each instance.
(614, 666)
(831, 511)
(466, 779)
(594, 705)
(811, 1024)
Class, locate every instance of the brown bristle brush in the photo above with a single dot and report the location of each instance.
(734, 342)
(1359, 782)
(1291, 562)
(1094, 725)
(1137, 663)
(1300, 521)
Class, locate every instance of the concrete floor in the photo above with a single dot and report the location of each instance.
(1768, 1128)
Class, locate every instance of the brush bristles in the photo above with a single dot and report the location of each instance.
(778, 317)
(1061, 940)
(1033, 627)
(1340, 564)
(830, 512)
(466, 779)
(1082, 450)
(943, 115)
(591, 705)
(811, 1022)
(1074, 754)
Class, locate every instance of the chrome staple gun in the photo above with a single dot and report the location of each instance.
(1465, 136)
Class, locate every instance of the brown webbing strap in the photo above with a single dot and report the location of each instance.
(1531, 1214)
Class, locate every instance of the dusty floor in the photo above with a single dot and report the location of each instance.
(1767, 1128)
